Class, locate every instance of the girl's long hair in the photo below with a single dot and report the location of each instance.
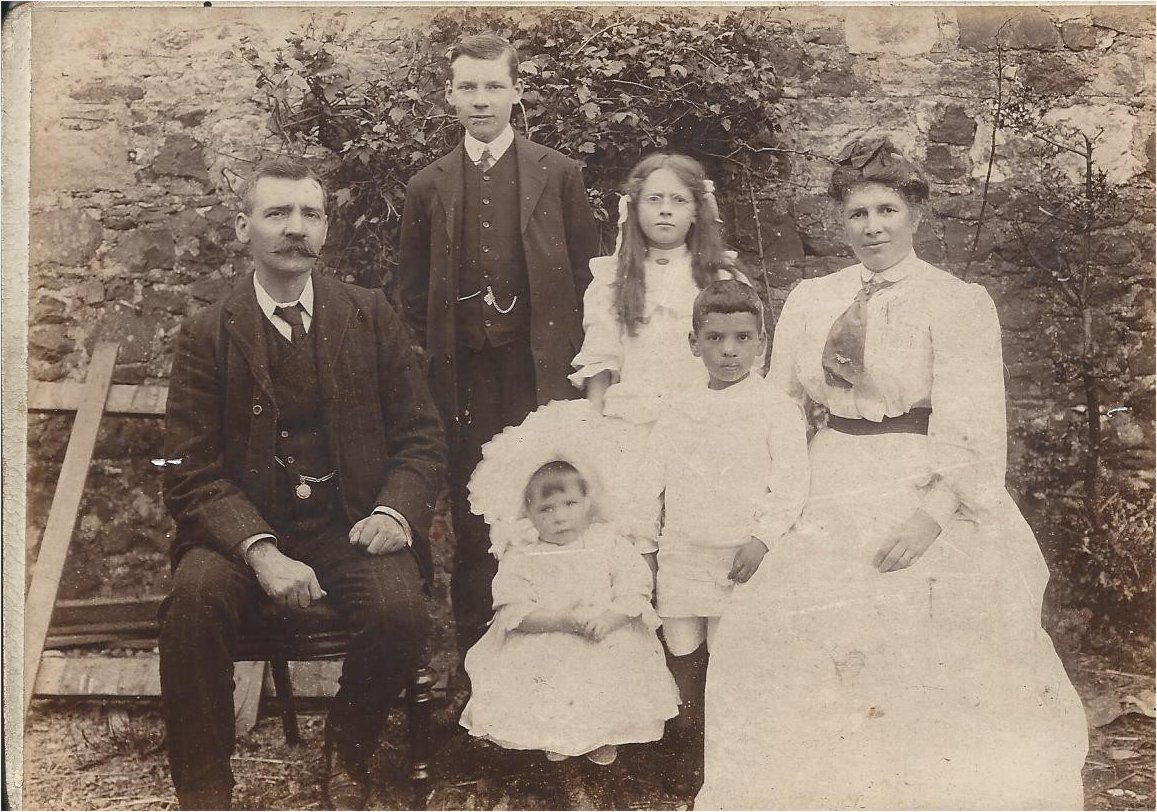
(704, 240)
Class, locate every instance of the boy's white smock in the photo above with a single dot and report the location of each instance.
(651, 366)
(725, 465)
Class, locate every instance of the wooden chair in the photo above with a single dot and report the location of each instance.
(280, 636)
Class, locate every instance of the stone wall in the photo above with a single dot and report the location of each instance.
(142, 119)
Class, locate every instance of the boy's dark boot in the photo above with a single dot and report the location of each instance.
(684, 736)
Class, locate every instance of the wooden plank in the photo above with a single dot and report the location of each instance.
(139, 676)
(312, 679)
(62, 514)
(139, 628)
(59, 641)
(106, 610)
(247, 681)
(99, 676)
(123, 399)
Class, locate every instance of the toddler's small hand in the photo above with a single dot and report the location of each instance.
(598, 628)
(747, 561)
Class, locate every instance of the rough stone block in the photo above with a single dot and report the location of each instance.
(136, 334)
(1134, 20)
(904, 31)
(188, 223)
(105, 92)
(192, 118)
(50, 341)
(1113, 126)
(954, 127)
(819, 34)
(942, 164)
(181, 157)
(144, 249)
(47, 310)
(64, 237)
(209, 289)
(91, 292)
(1078, 35)
(1027, 27)
(1051, 73)
(165, 301)
(67, 160)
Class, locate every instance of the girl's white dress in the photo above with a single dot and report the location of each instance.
(564, 692)
(833, 685)
(652, 366)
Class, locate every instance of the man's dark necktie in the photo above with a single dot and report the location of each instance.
(843, 358)
(485, 160)
(293, 317)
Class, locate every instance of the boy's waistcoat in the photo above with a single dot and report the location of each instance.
(492, 257)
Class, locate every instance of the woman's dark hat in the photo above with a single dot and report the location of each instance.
(877, 160)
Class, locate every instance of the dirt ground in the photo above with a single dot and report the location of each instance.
(110, 755)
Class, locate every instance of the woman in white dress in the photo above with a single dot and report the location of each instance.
(889, 652)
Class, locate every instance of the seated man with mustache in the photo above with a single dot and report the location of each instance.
(310, 455)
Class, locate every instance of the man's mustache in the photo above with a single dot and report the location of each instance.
(298, 248)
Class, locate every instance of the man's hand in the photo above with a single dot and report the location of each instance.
(747, 561)
(603, 624)
(286, 580)
(910, 541)
(379, 534)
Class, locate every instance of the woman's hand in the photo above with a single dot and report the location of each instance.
(905, 546)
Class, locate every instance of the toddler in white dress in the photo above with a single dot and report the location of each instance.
(571, 664)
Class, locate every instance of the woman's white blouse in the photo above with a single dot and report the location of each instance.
(656, 362)
(931, 340)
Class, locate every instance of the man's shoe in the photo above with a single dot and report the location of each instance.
(344, 785)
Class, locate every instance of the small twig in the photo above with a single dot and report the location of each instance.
(586, 41)
(256, 758)
(1127, 674)
(1121, 781)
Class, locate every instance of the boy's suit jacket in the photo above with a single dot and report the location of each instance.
(559, 238)
(385, 438)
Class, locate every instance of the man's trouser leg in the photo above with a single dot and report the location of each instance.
(496, 389)
(381, 597)
(199, 626)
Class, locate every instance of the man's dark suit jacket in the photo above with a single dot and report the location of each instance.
(385, 437)
(559, 238)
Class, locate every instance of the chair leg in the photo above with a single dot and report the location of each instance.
(284, 687)
(419, 698)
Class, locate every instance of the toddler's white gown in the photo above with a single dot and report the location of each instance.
(563, 692)
(833, 685)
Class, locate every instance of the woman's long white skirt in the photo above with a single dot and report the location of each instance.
(833, 685)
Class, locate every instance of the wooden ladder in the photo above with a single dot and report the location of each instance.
(90, 401)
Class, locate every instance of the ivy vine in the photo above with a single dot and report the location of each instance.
(603, 86)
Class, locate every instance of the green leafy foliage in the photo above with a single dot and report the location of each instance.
(603, 86)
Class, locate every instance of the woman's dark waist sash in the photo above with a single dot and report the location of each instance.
(911, 422)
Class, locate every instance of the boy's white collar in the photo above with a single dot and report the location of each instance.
(497, 147)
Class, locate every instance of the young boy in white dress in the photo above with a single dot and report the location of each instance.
(730, 470)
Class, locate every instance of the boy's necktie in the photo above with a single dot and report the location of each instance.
(843, 358)
(293, 317)
(485, 160)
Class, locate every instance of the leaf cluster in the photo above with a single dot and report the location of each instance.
(604, 86)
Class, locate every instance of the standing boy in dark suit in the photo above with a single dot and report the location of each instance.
(496, 241)
(308, 457)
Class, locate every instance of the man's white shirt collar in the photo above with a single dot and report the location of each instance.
(497, 147)
(267, 305)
